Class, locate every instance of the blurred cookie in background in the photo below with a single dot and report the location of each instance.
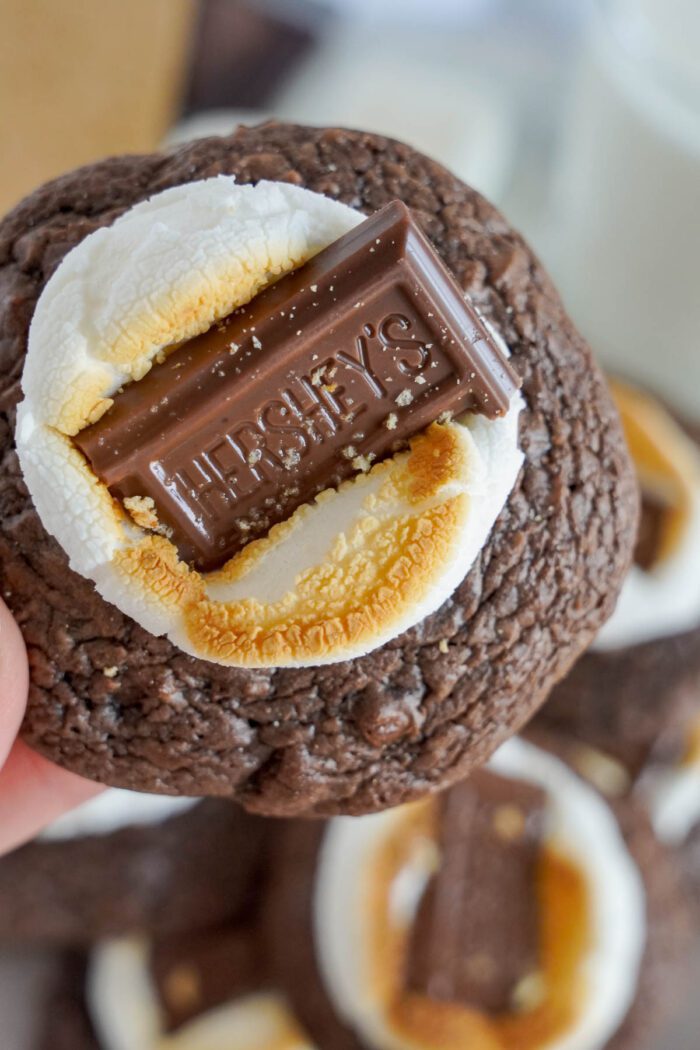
(242, 52)
(633, 701)
(519, 909)
(124, 862)
(211, 990)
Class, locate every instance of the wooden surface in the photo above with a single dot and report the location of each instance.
(80, 79)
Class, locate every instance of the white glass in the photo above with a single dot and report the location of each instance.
(627, 245)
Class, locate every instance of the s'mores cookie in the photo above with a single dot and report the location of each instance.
(316, 490)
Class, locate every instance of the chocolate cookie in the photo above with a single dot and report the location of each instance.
(466, 921)
(81, 883)
(114, 702)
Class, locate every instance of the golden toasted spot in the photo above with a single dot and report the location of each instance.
(427, 1024)
(509, 822)
(87, 401)
(99, 409)
(565, 935)
(666, 460)
(154, 566)
(692, 750)
(437, 456)
(360, 590)
(605, 773)
(182, 988)
(143, 510)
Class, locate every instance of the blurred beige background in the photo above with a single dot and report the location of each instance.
(80, 79)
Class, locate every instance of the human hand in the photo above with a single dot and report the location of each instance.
(33, 791)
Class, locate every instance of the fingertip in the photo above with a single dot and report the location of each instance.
(34, 792)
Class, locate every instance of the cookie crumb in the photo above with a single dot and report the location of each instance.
(404, 398)
(364, 463)
(509, 823)
(142, 510)
(392, 421)
(443, 646)
(183, 988)
(290, 458)
(110, 672)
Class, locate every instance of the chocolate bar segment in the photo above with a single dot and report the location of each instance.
(333, 367)
(197, 971)
(476, 934)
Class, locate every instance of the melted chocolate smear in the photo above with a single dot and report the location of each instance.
(476, 933)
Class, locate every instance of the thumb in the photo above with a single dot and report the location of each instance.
(33, 791)
(14, 680)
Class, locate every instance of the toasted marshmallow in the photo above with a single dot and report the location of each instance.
(581, 828)
(673, 798)
(113, 809)
(663, 599)
(671, 792)
(127, 1015)
(345, 573)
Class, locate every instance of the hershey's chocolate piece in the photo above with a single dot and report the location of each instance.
(476, 934)
(197, 971)
(348, 356)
